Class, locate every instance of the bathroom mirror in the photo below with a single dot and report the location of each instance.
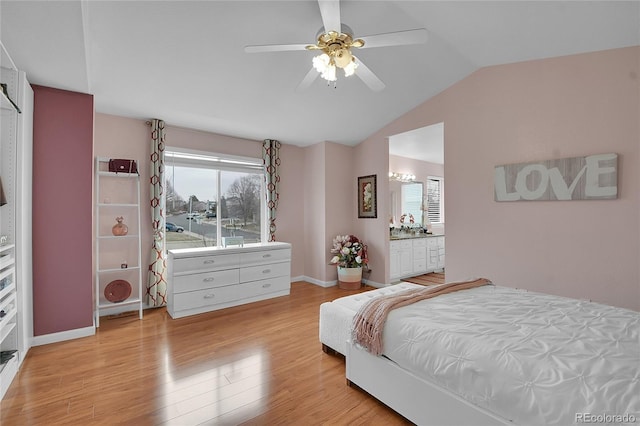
(411, 202)
(406, 199)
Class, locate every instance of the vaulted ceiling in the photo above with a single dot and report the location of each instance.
(184, 61)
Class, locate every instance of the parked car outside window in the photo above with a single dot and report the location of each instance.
(172, 227)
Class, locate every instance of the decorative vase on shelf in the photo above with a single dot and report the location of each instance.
(349, 278)
(119, 229)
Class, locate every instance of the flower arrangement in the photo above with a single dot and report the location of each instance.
(404, 216)
(349, 252)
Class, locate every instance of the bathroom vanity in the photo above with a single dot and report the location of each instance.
(415, 254)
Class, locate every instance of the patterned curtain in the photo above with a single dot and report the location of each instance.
(271, 158)
(157, 284)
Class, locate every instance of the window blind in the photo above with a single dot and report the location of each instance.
(434, 193)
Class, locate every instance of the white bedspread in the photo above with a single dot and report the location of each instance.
(528, 357)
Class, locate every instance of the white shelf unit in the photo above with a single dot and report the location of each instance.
(8, 314)
(117, 257)
(16, 309)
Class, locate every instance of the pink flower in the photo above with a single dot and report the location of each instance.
(349, 252)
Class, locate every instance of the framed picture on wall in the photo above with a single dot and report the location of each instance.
(367, 197)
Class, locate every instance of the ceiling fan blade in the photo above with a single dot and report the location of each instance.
(395, 39)
(274, 48)
(307, 80)
(330, 11)
(369, 78)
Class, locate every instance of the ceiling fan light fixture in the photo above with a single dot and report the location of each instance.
(329, 73)
(335, 44)
(325, 65)
(350, 69)
(321, 62)
(342, 57)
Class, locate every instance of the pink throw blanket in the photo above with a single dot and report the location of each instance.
(369, 321)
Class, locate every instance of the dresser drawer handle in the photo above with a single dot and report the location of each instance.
(264, 256)
(208, 280)
(207, 262)
(209, 296)
(266, 271)
(266, 285)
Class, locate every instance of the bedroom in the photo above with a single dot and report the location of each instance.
(530, 110)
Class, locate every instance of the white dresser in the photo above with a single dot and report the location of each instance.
(207, 279)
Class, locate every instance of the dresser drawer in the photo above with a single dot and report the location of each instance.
(205, 280)
(208, 297)
(260, 287)
(206, 263)
(266, 256)
(253, 273)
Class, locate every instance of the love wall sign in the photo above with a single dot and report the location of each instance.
(578, 178)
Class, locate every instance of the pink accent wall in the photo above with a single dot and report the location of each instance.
(536, 110)
(62, 212)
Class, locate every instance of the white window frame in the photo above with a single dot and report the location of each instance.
(185, 157)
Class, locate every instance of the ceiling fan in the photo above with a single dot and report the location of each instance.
(335, 41)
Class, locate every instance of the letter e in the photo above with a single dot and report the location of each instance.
(592, 187)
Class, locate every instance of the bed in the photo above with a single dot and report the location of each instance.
(495, 355)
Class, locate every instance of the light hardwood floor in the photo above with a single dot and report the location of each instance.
(254, 364)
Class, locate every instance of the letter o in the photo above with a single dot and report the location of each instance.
(521, 182)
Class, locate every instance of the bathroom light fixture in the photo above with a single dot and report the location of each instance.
(402, 177)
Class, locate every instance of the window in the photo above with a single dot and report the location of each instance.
(210, 196)
(435, 204)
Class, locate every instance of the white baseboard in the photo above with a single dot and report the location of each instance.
(334, 282)
(63, 335)
(375, 284)
(317, 282)
(119, 309)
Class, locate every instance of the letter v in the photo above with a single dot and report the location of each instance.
(560, 189)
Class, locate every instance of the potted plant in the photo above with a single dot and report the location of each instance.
(350, 256)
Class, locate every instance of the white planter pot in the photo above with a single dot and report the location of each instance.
(349, 278)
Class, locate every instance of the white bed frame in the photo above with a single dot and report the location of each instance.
(418, 400)
(413, 397)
